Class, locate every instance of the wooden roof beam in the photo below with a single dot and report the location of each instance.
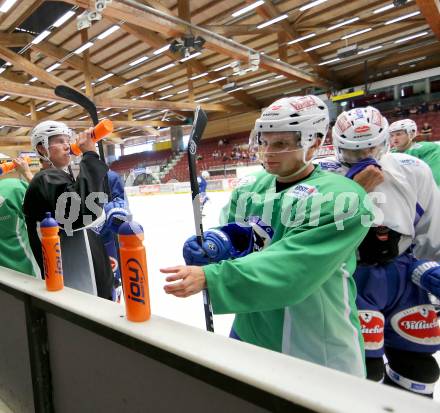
(269, 11)
(15, 39)
(431, 11)
(157, 41)
(31, 68)
(175, 27)
(29, 123)
(76, 62)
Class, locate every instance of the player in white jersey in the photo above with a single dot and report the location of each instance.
(395, 311)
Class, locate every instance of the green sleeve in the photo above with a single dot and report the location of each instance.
(286, 272)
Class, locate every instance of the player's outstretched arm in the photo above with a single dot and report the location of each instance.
(184, 280)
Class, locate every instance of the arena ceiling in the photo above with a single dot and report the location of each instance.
(232, 63)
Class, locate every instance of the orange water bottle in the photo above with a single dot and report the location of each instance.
(51, 247)
(7, 167)
(101, 130)
(134, 272)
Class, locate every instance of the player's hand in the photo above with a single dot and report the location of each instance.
(369, 178)
(184, 280)
(23, 169)
(85, 142)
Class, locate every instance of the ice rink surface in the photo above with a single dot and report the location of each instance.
(168, 222)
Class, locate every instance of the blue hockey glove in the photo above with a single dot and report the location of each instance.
(230, 241)
(116, 213)
(426, 274)
(360, 166)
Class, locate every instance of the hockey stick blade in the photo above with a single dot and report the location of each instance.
(83, 101)
(80, 99)
(199, 125)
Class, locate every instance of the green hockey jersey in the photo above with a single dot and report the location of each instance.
(15, 251)
(297, 296)
(428, 152)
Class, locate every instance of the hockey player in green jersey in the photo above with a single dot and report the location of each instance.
(402, 134)
(294, 293)
(15, 251)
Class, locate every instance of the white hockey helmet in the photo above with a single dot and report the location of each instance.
(359, 128)
(45, 130)
(307, 115)
(407, 125)
(205, 174)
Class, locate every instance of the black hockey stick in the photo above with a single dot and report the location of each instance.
(198, 127)
(83, 101)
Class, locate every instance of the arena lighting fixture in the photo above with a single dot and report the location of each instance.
(371, 49)
(299, 39)
(80, 49)
(270, 22)
(108, 32)
(2, 69)
(354, 19)
(64, 18)
(161, 69)
(247, 8)
(34, 79)
(4, 98)
(53, 67)
(260, 82)
(7, 5)
(234, 90)
(312, 4)
(406, 62)
(217, 80)
(405, 16)
(187, 43)
(165, 88)
(145, 95)
(137, 61)
(41, 37)
(198, 76)
(336, 59)
(191, 56)
(222, 67)
(384, 8)
(318, 46)
(129, 82)
(105, 77)
(347, 36)
(165, 97)
(182, 91)
(414, 36)
(40, 109)
(51, 104)
(161, 50)
(201, 100)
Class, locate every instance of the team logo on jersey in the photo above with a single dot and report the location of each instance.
(372, 325)
(409, 162)
(418, 324)
(327, 166)
(246, 180)
(302, 191)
